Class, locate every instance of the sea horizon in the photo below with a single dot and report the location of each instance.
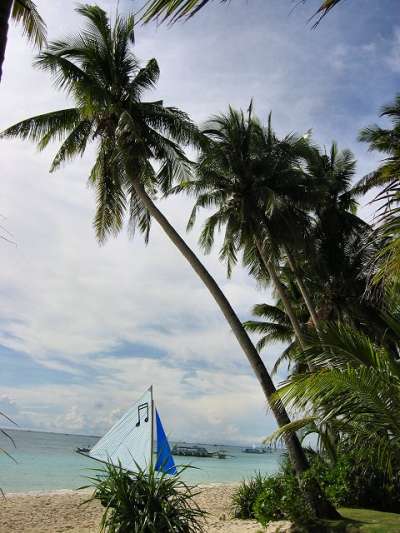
(181, 441)
(47, 462)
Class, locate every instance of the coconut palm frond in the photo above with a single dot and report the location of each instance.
(355, 385)
(284, 431)
(174, 10)
(288, 356)
(323, 10)
(25, 12)
(42, 129)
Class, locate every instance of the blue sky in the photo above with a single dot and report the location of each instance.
(85, 329)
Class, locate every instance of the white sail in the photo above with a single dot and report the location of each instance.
(129, 441)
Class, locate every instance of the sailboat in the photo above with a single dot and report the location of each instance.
(129, 443)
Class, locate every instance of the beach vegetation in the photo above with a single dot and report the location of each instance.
(353, 390)
(245, 495)
(349, 481)
(272, 497)
(146, 501)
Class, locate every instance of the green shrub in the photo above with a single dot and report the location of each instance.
(267, 498)
(356, 482)
(349, 482)
(353, 481)
(281, 499)
(146, 502)
(245, 495)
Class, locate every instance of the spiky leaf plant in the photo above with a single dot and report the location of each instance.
(246, 494)
(146, 501)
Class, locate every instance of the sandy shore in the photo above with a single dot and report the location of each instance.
(62, 511)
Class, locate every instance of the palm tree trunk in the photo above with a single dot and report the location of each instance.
(269, 266)
(303, 289)
(5, 12)
(321, 506)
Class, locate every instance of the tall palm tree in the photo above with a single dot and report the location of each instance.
(24, 12)
(99, 71)
(257, 185)
(335, 248)
(174, 10)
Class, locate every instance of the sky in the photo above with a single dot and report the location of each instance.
(85, 329)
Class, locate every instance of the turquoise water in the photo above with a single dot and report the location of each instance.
(47, 461)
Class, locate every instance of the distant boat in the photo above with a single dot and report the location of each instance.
(190, 451)
(255, 450)
(83, 449)
(197, 451)
(129, 443)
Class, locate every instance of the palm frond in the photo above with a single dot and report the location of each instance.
(285, 431)
(174, 10)
(25, 12)
(354, 385)
(45, 128)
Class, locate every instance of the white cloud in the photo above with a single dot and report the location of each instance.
(393, 59)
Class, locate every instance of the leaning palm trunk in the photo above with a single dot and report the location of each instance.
(320, 505)
(303, 289)
(5, 12)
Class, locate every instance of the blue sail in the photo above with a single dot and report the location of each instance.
(165, 462)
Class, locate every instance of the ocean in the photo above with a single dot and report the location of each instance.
(47, 462)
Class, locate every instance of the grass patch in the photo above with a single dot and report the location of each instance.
(364, 521)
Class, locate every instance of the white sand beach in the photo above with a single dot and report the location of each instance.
(61, 511)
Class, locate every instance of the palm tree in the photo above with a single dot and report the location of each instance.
(258, 186)
(386, 265)
(174, 10)
(336, 250)
(99, 71)
(354, 387)
(26, 13)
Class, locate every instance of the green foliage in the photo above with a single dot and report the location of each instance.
(146, 502)
(351, 481)
(354, 387)
(245, 495)
(354, 481)
(281, 499)
(254, 182)
(25, 12)
(385, 267)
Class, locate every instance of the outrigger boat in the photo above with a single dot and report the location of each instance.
(255, 450)
(83, 449)
(129, 443)
(197, 451)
